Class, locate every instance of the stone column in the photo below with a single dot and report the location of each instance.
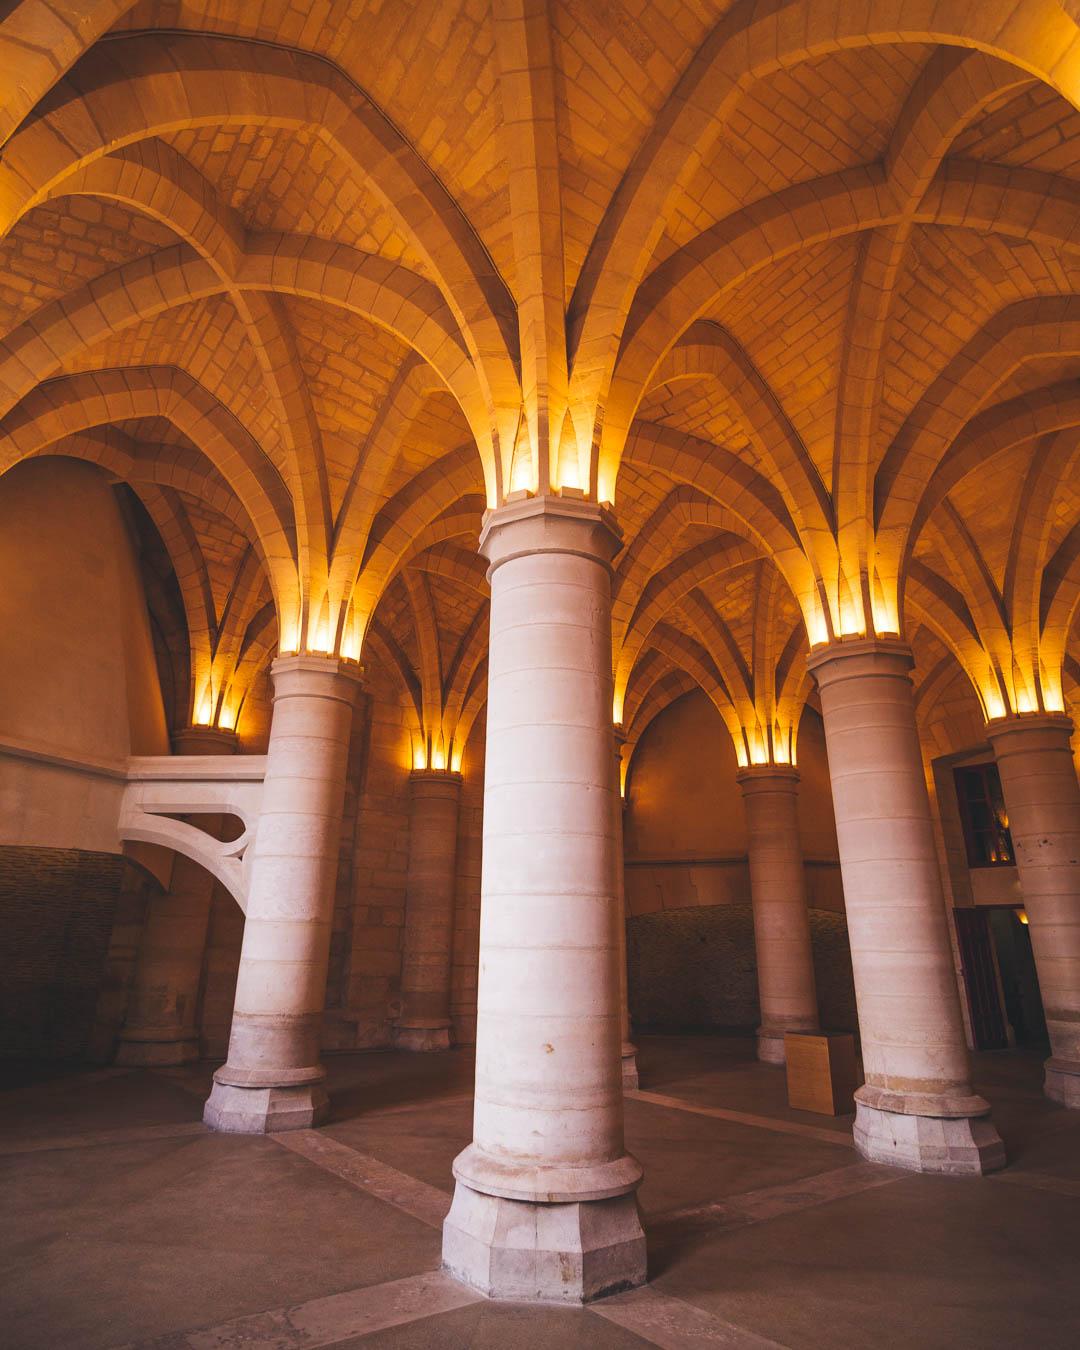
(629, 1049)
(273, 1079)
(425, 1022)
(160, 1026)
(545, 1205)
(785, 958)
(1042, 798)
(917, 1108)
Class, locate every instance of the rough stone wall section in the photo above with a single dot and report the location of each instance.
(380, 861)
(693, 970)
(466, 949)
(57, 908)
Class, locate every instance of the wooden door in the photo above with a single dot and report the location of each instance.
(980, 979)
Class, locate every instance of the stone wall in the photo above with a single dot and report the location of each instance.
(694, 969)
(57, 912)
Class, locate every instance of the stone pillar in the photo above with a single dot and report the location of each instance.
(629, 1049)
(1042, 798)
(545, 1205)
(425, 1022)
(273, 1079)
(160, 1027)
(917, 1108)
(785, 958)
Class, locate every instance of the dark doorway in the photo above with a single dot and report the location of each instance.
(973, 935)
(1019, 981)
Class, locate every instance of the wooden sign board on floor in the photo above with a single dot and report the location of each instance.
(822, 1073)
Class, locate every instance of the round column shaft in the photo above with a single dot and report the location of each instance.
(1042, 798)
(425, 1022)
(545, 1204)
(273, 1079)
(630, 1078)
(917, 1108)
(160, 1024)
(785, 958)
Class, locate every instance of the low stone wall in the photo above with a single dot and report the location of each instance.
(57, 909)
(694, 969)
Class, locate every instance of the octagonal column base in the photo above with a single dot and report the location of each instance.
(537, 1253)
(950, 1145)
(422, 1039)
(265, 1110)
(770, 1046)
(1062, 1082)
(156, 1054)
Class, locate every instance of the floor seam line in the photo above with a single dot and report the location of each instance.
(407, 1194)
(776, 1126)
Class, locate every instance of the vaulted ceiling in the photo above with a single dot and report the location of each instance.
(797, 285)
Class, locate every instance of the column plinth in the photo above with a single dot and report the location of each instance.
(785, 959)
(1042, 798)
(917, 1108)
(545, 1205)
(273, 1078)
(160, 1026)
(425, 1024)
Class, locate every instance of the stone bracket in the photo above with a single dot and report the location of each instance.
(162, 787)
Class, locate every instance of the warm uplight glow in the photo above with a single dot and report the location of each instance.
(883, 611)
(321, 640)
(740, 754)
(1021, 914)
(289, 637)
(569, 466)
(419, 758)
(617, 706)
(350, 645)
(816, 627)
(438, 758)
(852, 622)
(1053, 700)
(995, 706)
(456, 755)
(227, 718)
(522, 478)
(205, 716)
(1024, 702)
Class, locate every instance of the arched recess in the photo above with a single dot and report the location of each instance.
(78, 403)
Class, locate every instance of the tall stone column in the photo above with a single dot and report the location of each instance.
(425, 1022)
(545, 1204)
(629, 1049)
(785, 958)
(1042, 798)
(160, 1025)
(273, 1079)
(917, 1108)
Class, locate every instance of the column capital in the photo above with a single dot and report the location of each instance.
(205, 741)
(549, 524)
(855, 657)
(435, 782)
(1029, 731)
(310, 675)
(768, 777)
